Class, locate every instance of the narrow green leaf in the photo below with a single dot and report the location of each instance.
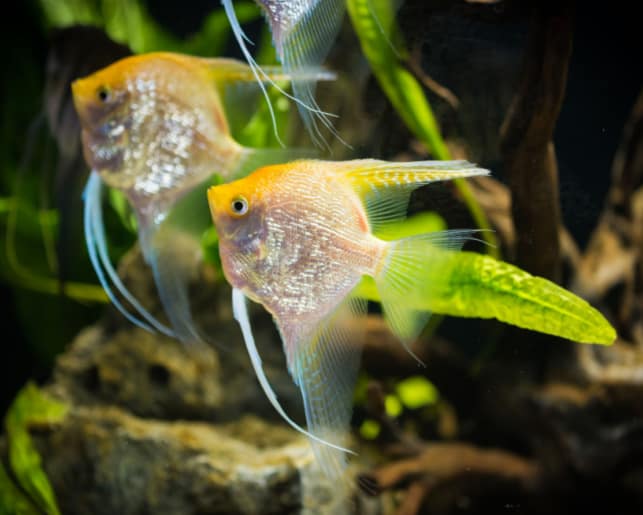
(30, 407)
(467, 284)
(12, 500)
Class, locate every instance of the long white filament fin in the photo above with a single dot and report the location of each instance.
(240, 311)
(99, 257)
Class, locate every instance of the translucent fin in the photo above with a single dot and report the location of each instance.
(240, 310)
(97, 248)
(226, 70)
(402, 275)
(385, 187)
(306, 44)
(172, 255)
(323, 361)
(262, 77)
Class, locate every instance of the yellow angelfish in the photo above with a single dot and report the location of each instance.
(298, 238)
(154, 127)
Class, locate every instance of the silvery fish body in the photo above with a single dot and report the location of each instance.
(298, 238)
(153, 126)
(305, 248)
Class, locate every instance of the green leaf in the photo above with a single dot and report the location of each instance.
(12, 500)
(393, 406)
(417, 392)
(32, 407)
(421, 223)
(467, 284)
(370, 429)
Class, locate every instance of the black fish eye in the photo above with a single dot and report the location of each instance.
(239, 206)
(103, 93)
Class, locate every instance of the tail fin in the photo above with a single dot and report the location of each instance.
(401, 275)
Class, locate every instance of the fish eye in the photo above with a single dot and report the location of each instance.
(103, 93)
(239, 206)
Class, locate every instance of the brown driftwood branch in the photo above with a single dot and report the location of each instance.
(443, 462)
(527, 140)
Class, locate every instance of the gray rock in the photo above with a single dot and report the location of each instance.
(102, 460)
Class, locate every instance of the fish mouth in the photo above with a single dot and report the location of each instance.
(214, 202)
(82, 100)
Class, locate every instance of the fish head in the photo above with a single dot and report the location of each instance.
(102, 101)
(238, 211)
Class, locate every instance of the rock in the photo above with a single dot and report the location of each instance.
(159, 427)
(149, 375)
(102, 460)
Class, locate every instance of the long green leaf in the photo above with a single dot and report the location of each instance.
(30, 407)
(467, 284)
(12, 500)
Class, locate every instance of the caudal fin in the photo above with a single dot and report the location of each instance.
(402, 276)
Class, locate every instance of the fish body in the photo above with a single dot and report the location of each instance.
(154, 127)
(284, 260)
(303, 32)
(298, 239)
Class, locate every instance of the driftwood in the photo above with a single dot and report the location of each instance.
(527, 141)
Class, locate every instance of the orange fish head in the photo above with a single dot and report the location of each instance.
(102, 104)
(238, 213)
(100, 94)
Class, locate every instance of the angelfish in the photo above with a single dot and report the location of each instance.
(303, 32)
(154, 127)
(298, 238)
